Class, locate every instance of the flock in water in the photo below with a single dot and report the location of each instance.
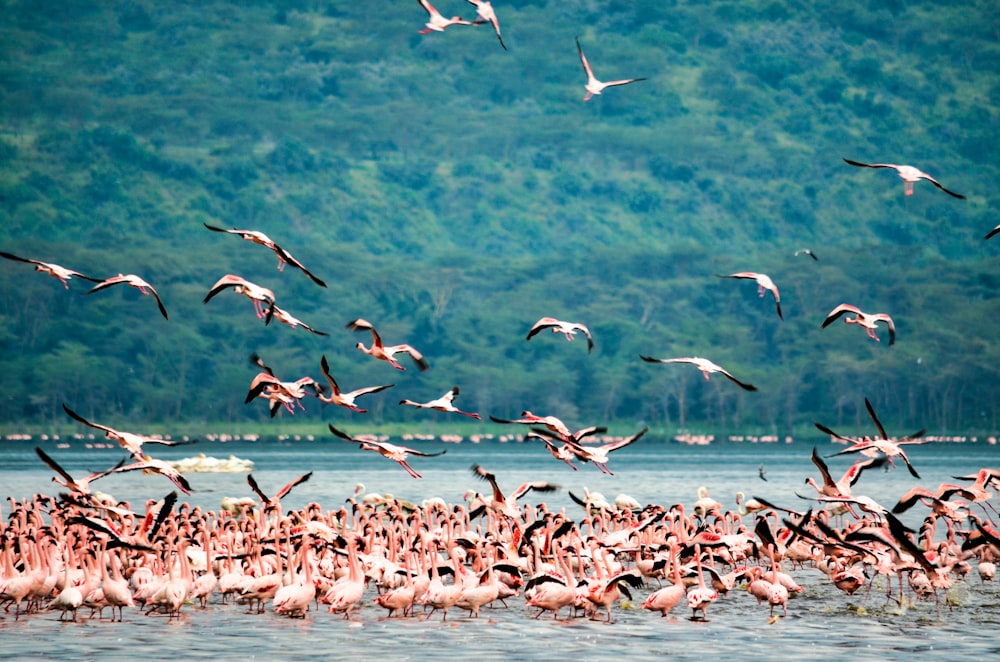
(84, 550)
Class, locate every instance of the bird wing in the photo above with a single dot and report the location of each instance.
(743, 385)
(54, 465)
(622, 82)
(837, 312)
(583, 60)
(538, 486)
(823, 469)
(544, 323)
(607, 448)
(882, 317)
(80, 419)
(936, 183)
(287, 257)
(878, 423)
(324, 367)
(256, 488)
(288, 488)
(870, 165)
(991, 233)
(159, 303)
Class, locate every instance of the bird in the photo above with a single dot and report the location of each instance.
(285, 317)
(764, 283)
(806, 251)
(55, 270)
(762, 472)
(551, 422)
(386, 450)
(706, 367)
(444, 403)
(274, 502)
(507, 505)
(436, 22)
(882, 445)
(909, 175)
(284, 257)
(134, 281)
(989, 234)
(593, 85)
(484, 8)
(131, 442)
(598, 455)
(843, 486)
(569, 329)
(147, 464)
(337, 397)
(259, 295)
(866, 320)
(77, 486)
(380, 351)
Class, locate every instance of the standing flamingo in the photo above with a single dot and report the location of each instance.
(706, 367)
(56, 271)
(867, 321)
(595, 86)
(909, 174)
(136, 282)
(764, 283)
(700, 596)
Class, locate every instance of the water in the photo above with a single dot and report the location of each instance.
(822, 623)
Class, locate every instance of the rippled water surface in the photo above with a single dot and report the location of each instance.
(822, 624)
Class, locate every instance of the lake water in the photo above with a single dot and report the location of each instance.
(822, 624)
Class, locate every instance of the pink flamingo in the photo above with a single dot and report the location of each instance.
(284, 257)
(436, 22)
(136, 282)
(54, 270)
(484, 8)
(909, 174)
(867, 321)
(569, 329)
(595, 86)
(706, 367)
(285, 317)
(445, 403)
(131, 442)
(385, 449)
(337, 397)
(764, 284)
(257, 294)
(379, 351)
(599, 454)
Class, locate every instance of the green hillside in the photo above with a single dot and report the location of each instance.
(453, 193)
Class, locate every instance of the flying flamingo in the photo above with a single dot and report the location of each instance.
(843, 486)
(380, 351)
(595, 86)
(150, 465)
(806, 251)
(883, 445)
(259, 295)
(77, 486)
(134, 281)
(599, 454)
(337, 397)
(507, 505)
(866, 320)
(484, 8)
(569, 329)
(551, 422)
(444, 403)
(130, 442)
(706, 367)
(274, 502)
(284, 257)
(436, 22)
(909, 175)
(386, 450)
(56, 271)
(764, 283)
(285, 317)
(989, 234)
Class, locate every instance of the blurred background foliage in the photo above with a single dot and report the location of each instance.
(453, 193)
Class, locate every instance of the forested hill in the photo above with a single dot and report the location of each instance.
(453, 192)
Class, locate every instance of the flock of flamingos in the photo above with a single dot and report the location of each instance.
(82, 550)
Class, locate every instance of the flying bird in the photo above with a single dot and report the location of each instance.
(436, 22)
(806, 251)
(136, 282)
(257, 294)
(284, 257)
(989, 234)
(386, 450)
(131, 442)
(444, 403)
(764, 284)
(706, 367)
(285, 317)
(379, 351)
(484, 8)
(568, 329)
(867, 321)
(595, 86)
(909, 175)
(56, 271)
(337, 397)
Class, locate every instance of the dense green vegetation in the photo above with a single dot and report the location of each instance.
(453, 193)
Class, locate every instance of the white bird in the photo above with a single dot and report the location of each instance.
(131, 442)
(134, 281)
(444, 403)
(259, 295)
(866, 320)
(484, 8)
(569, 329)
(436, 22)
(706, 367)
(284, 257)
(909, 175)
(283, 316)
(56, 271)
(806, 251)
(386, 450)
(595, 86)
(764, 283)
(337, 397)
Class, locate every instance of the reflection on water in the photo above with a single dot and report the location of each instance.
(822, 624)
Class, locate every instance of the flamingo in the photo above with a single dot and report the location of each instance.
(551, 422)
(380, 351)
(866, 320)
(274, 502)
(665, 599)
(76, 486)
(989, 234)
(563, 452)
(438, 23)
(706, 367)
(147, 464)
(909, 175)
(131, 442)
(599, 454)
(341, 399)
(484, 8)
(595, 86)
(257, 294)
(55, 270)
(444, 403)
(284, 257)
(843, 486)
(136, 282)
(285, 317)
(569, 329)
(764, 283)
(387, 450)
(700, 596)
(890, 448)
(806, 251)
(507, 505)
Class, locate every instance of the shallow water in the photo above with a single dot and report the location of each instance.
(822, 623)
